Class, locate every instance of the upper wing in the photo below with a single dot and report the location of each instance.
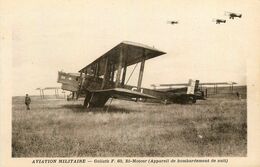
(134, 52)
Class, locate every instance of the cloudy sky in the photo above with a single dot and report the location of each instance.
(48, 36)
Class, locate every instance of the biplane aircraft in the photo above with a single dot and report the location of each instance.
(200, 94)
(56, 90)
(173, 22)
(105, 77)
(233, 15)
(190, 93)
(218, 21)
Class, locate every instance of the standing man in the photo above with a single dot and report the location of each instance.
(27, 101)
(238, 96)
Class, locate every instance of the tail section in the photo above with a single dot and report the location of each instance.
(197, 85)
(193, 86)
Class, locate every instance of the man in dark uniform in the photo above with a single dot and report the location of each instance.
(238, 96)
(27, 101)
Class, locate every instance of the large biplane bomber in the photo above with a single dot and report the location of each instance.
(105, 78)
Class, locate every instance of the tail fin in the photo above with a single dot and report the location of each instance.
(192, 86)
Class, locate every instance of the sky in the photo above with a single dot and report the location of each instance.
(48, 36)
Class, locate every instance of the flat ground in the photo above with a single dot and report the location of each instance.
(214, 127)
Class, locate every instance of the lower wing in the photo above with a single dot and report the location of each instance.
(123, 92)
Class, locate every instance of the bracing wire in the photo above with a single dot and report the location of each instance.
(131, 74)
(125, 84)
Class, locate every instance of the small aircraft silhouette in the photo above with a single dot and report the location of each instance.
(218, 21)
(233, 15)
(173, 22)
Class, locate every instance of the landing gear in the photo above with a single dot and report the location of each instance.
(87, 99)
(192, 100)
(94, 99)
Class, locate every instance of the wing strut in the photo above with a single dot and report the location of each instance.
(125, 84)
(109, 104)
(141, 72)
(131, 74)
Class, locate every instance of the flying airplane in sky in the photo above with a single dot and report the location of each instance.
(105, 77)
(232, 15)
(218, 21)
(173, 22)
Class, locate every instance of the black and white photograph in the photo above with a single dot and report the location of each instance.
(132, 80)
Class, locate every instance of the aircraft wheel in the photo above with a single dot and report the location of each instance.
(191, 100)
(165, 102)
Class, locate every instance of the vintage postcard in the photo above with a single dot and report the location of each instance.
(140, 83)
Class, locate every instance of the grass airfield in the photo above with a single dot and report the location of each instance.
(60, 128)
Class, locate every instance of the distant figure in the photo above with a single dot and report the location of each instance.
(27, 102)
(238, 96)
